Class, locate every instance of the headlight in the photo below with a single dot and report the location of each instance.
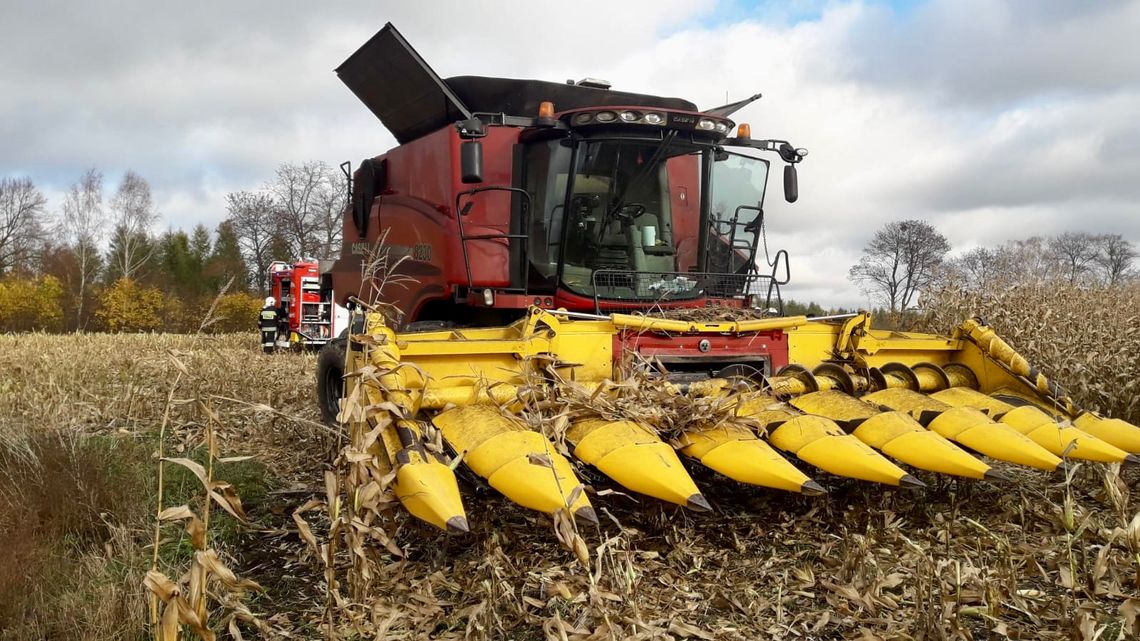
(706, 124)
(606, 116)
(653, 119)
(721, 128)
(583, 118)
(630, 116)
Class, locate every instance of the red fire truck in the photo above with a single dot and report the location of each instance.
(307, 311)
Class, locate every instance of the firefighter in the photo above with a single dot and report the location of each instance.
(267, 321)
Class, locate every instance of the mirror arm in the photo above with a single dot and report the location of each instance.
(787, 152)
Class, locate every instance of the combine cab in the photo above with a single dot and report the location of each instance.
(574, 247)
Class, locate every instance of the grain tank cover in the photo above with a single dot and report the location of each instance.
(522, 97)
(411, 100)
(395, 83)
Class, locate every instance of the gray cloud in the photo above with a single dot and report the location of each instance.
(993, 120)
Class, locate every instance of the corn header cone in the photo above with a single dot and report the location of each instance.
(820, 442)
(637, 459)
(736, 452)
(1113, 431)
(429, 491)
(521, 464)
(967, 426)
(1033, 422)
(847, 396)
(895, 434)
(423, 484)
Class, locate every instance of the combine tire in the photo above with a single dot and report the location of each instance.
(330, 380)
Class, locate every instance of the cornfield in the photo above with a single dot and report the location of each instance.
(1044, 557)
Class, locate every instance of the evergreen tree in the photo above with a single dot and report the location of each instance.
(226, 260)
(200, 246)
(183, 274)
(123, 242)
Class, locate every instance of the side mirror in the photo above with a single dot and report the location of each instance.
(791, 184)
(471, 161)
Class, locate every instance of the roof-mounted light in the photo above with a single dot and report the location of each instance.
(546, 109)
(639, 117)
(744, 131)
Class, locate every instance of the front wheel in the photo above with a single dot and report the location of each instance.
(330, 380)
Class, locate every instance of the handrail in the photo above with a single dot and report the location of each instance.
(460, 213)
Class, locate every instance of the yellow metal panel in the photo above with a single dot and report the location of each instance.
(812, 343)
(1114, 431)
(834, 405)
(637, 459)
(544, 486)
(521, 464)
(970, 427)
(929, 451)
(428, 491)
(906, 400)
(735, 452)
(965, 397)
(819, 442)
(1042, 429)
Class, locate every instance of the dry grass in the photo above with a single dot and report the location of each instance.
(78, 436)
(1047, 557)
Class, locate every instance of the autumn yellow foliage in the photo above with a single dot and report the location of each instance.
(127, 306)
(236, 313)
(31, 304)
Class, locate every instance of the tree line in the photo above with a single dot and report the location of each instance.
(905, 258)
(99, 260)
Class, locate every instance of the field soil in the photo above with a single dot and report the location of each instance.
(1046, 556)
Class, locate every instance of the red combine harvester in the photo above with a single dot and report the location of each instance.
(508, 193)
(510, 199)
(308, 313)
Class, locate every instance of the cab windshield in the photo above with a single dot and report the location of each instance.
(630, 227)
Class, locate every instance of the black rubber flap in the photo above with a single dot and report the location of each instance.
(395, 83)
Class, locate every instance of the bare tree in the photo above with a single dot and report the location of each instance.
(900, 260)
(82, 224)
(1075, 251)
(976, 269)
(254, 217)
(1114, 258)
(297, 191)
(21, 203)
(134, 215)
(329, 203)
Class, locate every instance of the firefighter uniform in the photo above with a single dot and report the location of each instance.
(267, 321)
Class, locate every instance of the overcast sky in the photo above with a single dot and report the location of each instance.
(992, 120)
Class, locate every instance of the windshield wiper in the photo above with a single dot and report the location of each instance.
(640, 175)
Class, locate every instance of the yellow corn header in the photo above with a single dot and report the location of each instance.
(850, 400)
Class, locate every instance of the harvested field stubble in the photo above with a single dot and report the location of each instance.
(78, 433)
(1046, 557)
